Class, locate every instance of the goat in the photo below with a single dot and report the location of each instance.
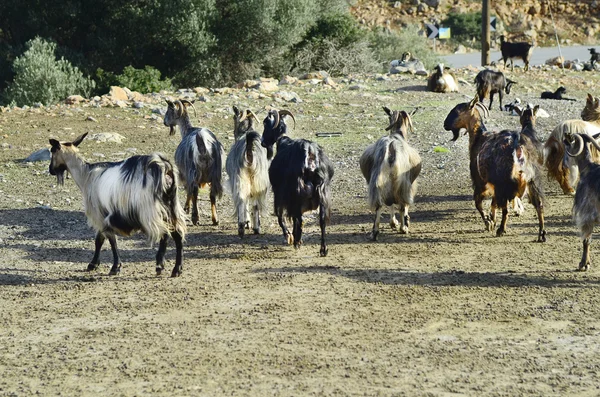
(504, 165)
(198, 157)
(390, 167)
(562, 167)
(442, 81)
(511, 51)
(489, 82)
(558, 94)
(300, 175)
(594, 57)
(586, 206)
(247, 166)
(139, 193)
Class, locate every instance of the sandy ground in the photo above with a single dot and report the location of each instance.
(446, 310)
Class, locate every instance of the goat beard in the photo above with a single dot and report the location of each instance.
(171, 130)
(60, 178)
(455, 133)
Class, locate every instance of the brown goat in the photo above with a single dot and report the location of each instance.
(561, 167)
(504, 165)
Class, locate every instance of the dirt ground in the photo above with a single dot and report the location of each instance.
(446, 310)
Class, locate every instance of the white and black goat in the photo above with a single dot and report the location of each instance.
(442, 80)
(518, 50)
(247, 166)
(391, 167)
(586, 207)
(139, 193)
(300, 175)
(490, 82)
(198, 157)
(504, 165)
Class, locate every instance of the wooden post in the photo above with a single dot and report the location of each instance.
(485, 33)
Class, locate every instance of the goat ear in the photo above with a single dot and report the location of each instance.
(535, 109)
(511, 82)
(387, 110)
(77, 141)
(414, 111)
(519, 110)
(236, 111)
(590, 98)
(54, 143)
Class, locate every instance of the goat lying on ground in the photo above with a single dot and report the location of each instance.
(247, 166)
(512, 51)
(300, 174)
(594, 57)
(489, 82)
(562, 167)
(558, 94)
(198, 157)
(442, 81)
(391, 167)
(586, 207)
(139, 193)
(503, 165)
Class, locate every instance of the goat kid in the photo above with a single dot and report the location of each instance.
(489, 82)
(503, 165)
(558, 94)
(519, 50)
(139, 193)
(586, 206)
(442, 81)
(300, 175)
(198, 157)
(247, 166)
(391, 167)
(560, 166)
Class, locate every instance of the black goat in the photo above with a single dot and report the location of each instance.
(512, 51)
(594, 57)
(300, 175)
(558, 94)
(489, 82)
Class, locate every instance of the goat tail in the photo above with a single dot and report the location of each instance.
(216, 172)
(554, 153)
(172, 217)
(325, 200)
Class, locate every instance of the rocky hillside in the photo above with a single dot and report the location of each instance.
(576, 21)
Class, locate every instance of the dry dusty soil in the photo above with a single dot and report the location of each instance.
(448, 309)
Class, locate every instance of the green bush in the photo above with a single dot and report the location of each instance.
(143, 80)
(388, 46)
(40, 77)
(464, 27)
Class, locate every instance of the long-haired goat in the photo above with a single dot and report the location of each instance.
(442, 80)
(139, 193)
(198, 157)
(391, 167)
(560, 166)
(489, 82)
(300, 174)
(504, 165)
(586, 207)
(247, 166)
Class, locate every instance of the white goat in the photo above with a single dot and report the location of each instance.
(139, 193)
(442, 80)
(247, 166)
(391, 167)
(198, 157)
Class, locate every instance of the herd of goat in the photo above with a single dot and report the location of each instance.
(140, 193)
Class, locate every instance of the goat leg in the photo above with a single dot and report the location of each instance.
(255, 219)
(178, 268)
(375, 232)
(393, 221)
(489, 226)
(297, 230)
(584, 265)
(188, 200)
(116, 267)
(502, 229)
(500, 99)
(213, 209)
(493, 208)
(535, 199)
(286, 233)
(322, 222)
(242, 212)
(195, 217)
(160, 255)
(405, 219)
(93, 265)
(491, 100)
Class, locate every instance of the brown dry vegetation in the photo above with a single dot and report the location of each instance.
(445, 310)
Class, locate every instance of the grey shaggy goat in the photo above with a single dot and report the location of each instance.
(198, 157)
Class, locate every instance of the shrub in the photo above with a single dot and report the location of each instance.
(40, 77)
(143, 80)
(465, 28)
(388, 46)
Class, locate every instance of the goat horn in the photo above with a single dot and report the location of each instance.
(242, 115)
(394, 120)
(579, 142)
(596, 145)
(287, 113)
(409, 121)
(169, 102)
(179, 107)
(250, 114)
(483, 108)
(275, 114)
(415, 111)
(185, 101)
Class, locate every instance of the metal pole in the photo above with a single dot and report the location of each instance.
(485, 33)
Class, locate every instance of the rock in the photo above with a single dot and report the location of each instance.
(288, 80)
(556, 61)
(90, 118)
(106, 137)
(461, 49)
(121, 104)
(357, 87)
(40, 155)
(73, 99)
(138, 105)
(201, 90)
(267, 84)
(433, 3)
(288, 96)
(118, 94)
(329, 81)
(161, 111)
(136, 96)
(315, 75)
(422, 8)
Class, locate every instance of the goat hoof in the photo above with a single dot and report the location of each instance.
(215, 222)
(176, 273)
(289, 239)
(115, 270)
(256, 231)
(404, 230)
(583, 267)
(489, 226)
(159, 270)
(394, 224)
(195, 220)
(241, 230)
(500, 232)
(92, 267)
(407, 220)
(374, 235)
(323, 251)
(247, 225)
(542, 237)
